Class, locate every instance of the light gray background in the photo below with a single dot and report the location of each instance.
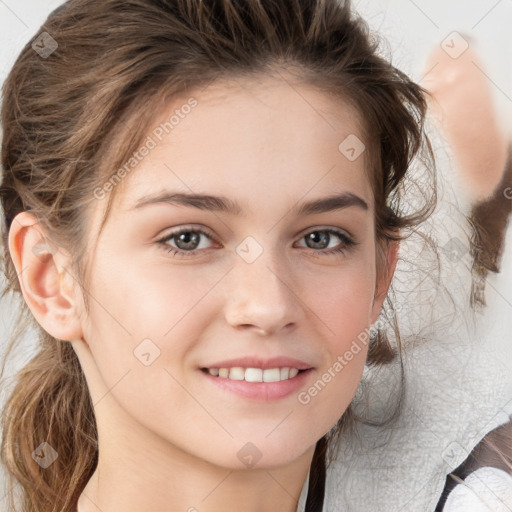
(412, 28)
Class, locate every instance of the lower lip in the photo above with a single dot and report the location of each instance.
(261, 391)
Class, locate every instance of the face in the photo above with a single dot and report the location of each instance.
(184, 288)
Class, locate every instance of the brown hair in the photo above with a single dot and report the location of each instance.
(116, 63)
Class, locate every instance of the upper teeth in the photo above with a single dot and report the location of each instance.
(254, 374)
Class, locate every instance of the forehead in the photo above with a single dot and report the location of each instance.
(272, 139)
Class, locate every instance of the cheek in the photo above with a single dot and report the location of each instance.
(343, 305)
(138, 299)
(139, 331)
(144, 319)
(342, 299)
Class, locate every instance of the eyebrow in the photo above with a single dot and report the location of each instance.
(226, 205)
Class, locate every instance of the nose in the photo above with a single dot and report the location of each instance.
(262, 297)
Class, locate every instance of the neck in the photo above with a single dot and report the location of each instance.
(154, 475)
(193, 490)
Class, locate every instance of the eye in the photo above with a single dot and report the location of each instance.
(187, 241)
(320, 239)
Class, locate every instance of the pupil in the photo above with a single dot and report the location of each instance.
(318, 234)
(187, 237)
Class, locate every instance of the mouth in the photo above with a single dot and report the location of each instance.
(258, 379)
(263, 385)
(240, 373)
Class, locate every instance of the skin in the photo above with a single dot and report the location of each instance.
(463, 104)
(168, 438)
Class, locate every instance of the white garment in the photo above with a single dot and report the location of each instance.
(485, 490)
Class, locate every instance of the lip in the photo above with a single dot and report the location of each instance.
(260, 391)
(264, 364)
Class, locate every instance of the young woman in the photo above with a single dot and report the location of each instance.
(203, 208)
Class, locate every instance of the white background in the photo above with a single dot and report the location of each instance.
(412, 28)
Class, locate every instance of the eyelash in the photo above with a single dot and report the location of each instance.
(347, 242)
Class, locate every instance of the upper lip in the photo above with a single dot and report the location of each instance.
(264, 364)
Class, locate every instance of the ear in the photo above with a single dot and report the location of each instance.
(47, 286)
(385, 274)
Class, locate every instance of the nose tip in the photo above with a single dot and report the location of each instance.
(261, 301)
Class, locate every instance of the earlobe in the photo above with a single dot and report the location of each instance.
(384, 281)
(46, 285)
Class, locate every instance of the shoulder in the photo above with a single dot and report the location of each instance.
(488, 465)
(487, 489)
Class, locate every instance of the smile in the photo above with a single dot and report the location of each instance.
(254, 374)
